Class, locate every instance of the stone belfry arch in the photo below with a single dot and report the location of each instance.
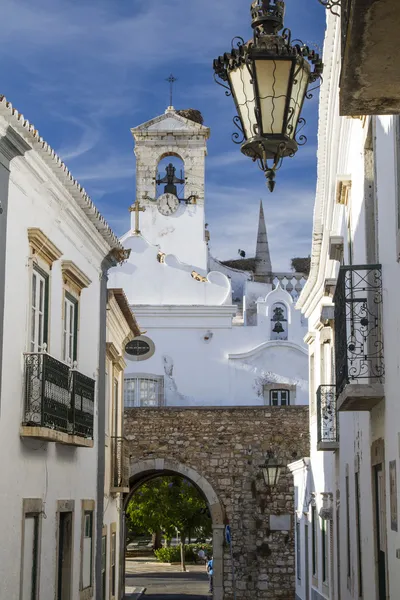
(173, 134)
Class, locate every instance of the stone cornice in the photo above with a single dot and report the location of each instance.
(30, 135)
(300, 465)
(74, 276)
(264, 346)
(141, 310)
(327, 112)
(12, 144)
(42, 246)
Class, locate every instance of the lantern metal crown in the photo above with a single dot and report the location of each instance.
(268, 78)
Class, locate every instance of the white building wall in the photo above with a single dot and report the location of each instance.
(343, 156)
(32, 468)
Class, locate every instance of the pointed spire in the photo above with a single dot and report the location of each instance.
(263, 270)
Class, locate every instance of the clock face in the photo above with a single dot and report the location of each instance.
(168, 204)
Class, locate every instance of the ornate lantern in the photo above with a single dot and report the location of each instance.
(271, 470)
(268, 78)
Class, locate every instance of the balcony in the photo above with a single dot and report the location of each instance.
(119, 465)
(59, 402)
(370, 81)
(327, 420)
(358, 338)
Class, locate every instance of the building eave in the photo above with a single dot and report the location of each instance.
(31, 135)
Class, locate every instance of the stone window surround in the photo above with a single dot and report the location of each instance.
(268, 387)
(31, 506)
(115, 373)
(42, 255)
(42, 247)
(113, 529)
(149, 354)
(64, 506)
(74, 281)
(104, 533)
(87, 505)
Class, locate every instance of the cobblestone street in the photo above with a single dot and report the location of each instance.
(167, 582)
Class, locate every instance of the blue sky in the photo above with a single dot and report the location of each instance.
(86, 71)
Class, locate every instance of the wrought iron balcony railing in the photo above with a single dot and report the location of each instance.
(358, 326)
(57, 397)
(327, 418)
(119, 464)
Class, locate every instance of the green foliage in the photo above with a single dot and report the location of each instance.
(166, 504)
(172, 554)
(301, 265)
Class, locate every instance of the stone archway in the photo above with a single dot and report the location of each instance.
(144, 470)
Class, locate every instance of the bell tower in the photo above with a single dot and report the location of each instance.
(175, 222)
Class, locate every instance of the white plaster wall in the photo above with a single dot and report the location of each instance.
(30, 468)
(344, 141)
(230, 369)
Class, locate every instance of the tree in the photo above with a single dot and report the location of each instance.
(166, 504)
(301, 265)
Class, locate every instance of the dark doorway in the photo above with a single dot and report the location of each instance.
(64, 556)
(380, 524)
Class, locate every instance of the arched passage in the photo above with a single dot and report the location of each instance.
(144, 470)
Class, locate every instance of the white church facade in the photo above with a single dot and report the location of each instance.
(196, 347)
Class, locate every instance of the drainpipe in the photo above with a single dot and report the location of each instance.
(11, 146)
(113, 258)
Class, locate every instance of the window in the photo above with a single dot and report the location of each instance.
(87, 549)
(144, 391)
(324, 552)
(298, 549)
(39, 309)
(279, 397)
(314, 540)
(279, 322)
(113, 569)
(358, 529)
(116, 407)
(70, 338)
(140, 348)
(348, 527)
(30, 588)
(104, 566)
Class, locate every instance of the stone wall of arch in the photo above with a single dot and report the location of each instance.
(221, 450)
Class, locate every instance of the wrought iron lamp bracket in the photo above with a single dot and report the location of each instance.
(332, 5)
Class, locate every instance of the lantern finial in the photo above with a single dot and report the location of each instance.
(267, 15)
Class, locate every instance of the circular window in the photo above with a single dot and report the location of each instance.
(140, 348)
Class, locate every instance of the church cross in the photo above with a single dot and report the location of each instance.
(136, 208)
(171, 80)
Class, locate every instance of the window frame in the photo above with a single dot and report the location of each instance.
(137, 378)
(279, 392)
(104, 544)
(70, 301)
(298, 550)
(348, 536)
(357, 491)
(87, 508)
(314, 544)
(32, 508)
(324, 553)
(113, 564)
(40, 275)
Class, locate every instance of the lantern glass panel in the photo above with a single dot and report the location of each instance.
(273, 77)
(300, 82)
(243, 91)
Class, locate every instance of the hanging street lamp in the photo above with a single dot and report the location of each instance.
(268, 78)
(271, 470)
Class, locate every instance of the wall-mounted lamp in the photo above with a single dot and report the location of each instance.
(271, 470)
